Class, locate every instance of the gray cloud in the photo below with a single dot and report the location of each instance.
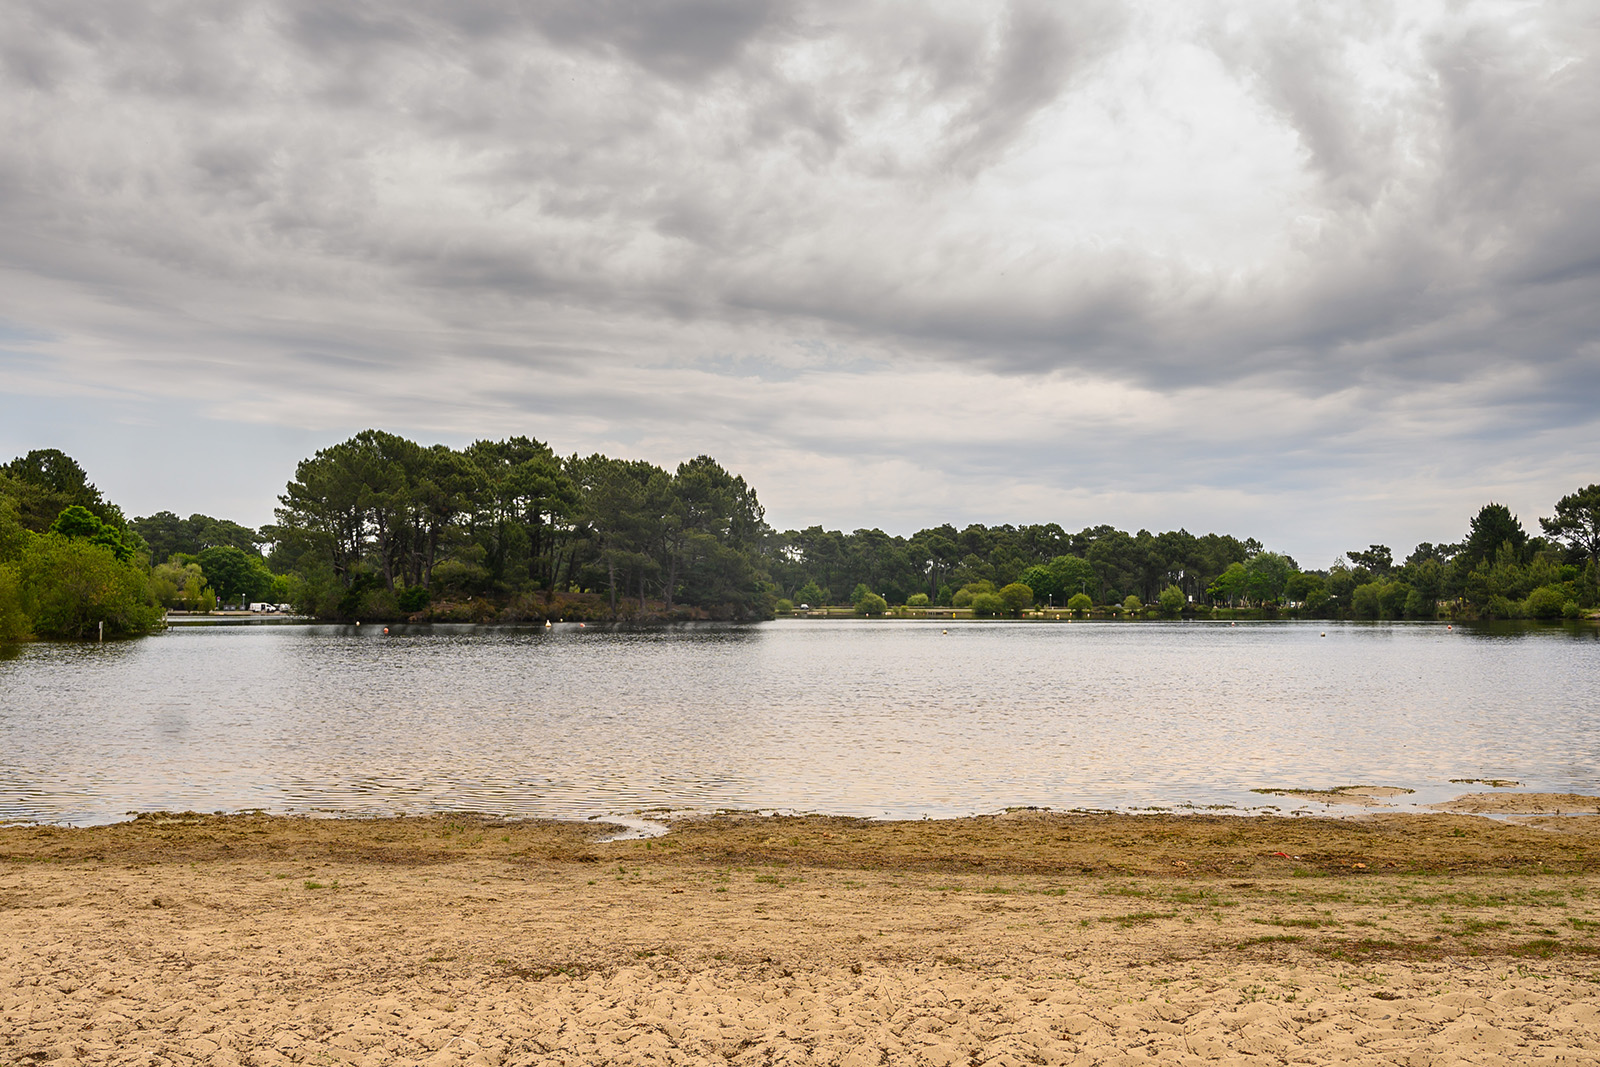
(769, 226)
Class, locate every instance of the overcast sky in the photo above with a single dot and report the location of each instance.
(1317, 273)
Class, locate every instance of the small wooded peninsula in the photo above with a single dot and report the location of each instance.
(382, 528)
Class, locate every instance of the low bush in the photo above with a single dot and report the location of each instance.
(987, 605)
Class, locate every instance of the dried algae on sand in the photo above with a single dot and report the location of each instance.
(1030, 938)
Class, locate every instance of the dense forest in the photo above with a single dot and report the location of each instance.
(379, 527)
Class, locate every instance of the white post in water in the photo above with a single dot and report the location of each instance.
(102, 636)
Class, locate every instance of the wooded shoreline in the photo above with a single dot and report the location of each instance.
(385, 529)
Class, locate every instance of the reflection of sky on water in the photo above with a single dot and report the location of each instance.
(870, 718)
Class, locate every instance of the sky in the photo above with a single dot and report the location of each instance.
(1320, 274)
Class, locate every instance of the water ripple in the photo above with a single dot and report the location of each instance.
(881, 719)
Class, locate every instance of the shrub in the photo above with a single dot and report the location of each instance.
(784, 606)
(1133, 604)
(13, 618)
(75, 585)
(1080, 603)
(414, 598)
(455, 578)
(963, 596)
(1392, 599)
(1172, 600)
(1546, 602)
(1502, 608)
(1571, 610)
(1017, 598)
(1419, 606)
(1367, 600)
(871, 604)
(377, 602)
(917, 600)
(987, 605)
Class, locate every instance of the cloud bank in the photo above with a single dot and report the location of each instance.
(1318, 274)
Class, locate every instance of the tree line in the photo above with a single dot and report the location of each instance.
(381, 527)
(378, 525)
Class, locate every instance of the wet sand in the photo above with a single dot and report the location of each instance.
(1019, 939)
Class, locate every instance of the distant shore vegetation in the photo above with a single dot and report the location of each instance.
(382, 528)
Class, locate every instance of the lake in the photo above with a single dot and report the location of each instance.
(884, 719)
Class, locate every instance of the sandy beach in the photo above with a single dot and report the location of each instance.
(1027, 938)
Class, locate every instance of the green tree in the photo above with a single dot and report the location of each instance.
(521, 502)
(1297, 587)
(1073, 574)
(871, 604)
(860, 593)
(917, 600)
(15, 624)
(168, 535)
(181, 585)
(811, 594)
(1132, 604)
(1493, 526)
(1367, 600)
(1079, 603)
(47, 480)
(987, 605)
(76, 521)
(72, 586)
(1376, 560)
(325, 511)
(1546, 602)
(1172, 600)
(718, 556)
(1041, 583)
(619, 519)
(413, 598)
(12, 532)
(235, 575)
(1577, 523)
(1267, 576)
(1420, 606)
(963, 596)
(1231, 585)
(1392, 599)
(1017, 598)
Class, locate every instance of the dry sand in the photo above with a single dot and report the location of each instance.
(1021, 939)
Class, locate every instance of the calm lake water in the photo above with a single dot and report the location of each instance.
(880, 719)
